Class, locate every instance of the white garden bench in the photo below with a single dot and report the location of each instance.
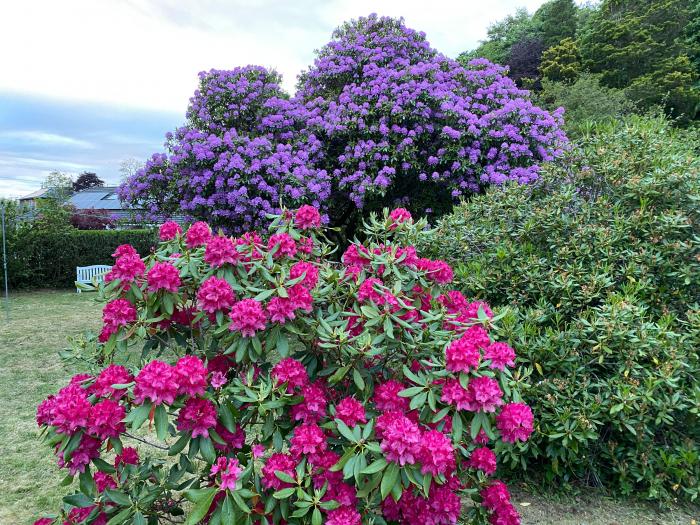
(87, 277)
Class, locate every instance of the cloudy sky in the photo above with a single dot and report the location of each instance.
(87, 84)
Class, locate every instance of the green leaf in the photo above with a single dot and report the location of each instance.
(284, 493)
(78, 500)
(241, 504)
(161, 421)
(206, 447)
(283, 346)
(316, 518)
(375, 466)
(202, 503)
(179, 445)
(118, 497)
(138, 519)
(339, 374)
(138, 415)
(457, 427)
(357, 378)
(476, 425)
(121, 517)
(345, 431)
(391, 475)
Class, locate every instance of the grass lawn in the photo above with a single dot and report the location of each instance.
(30, 370)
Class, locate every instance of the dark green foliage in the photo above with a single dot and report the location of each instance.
(643, 41)
(87, 180)
(598, 268)
(586, 102)
(48, 258)
(561, 63)
(524, 59)
(501, 37)
(556, 20)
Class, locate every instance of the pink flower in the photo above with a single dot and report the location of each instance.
(515, 422)
(368, 291)
(355, 255)
(44, 521)
(125, 249)
(234, 440)
(401, 441)
(191, 375)
(126, 269)
(68, 411)
(119, 312)
(88, 449)
(399, 216)
(198, 416)
(483, 394)
(454, 394)
(500, 354)
(104, 481)
(215, 295)
(483, 459)
(300, 297)
(258, 450)
(106, 419)
(169, 230)
(78, 515)
(163, 276)
(444, 506)
(290, 371)
(307, 217)
(280, 309)
(282, 244)
(309, 270)
(218, 379)
(278, 463)
(343, 516)
(220, 250)
(306, 245)
(158, 382)
(198, 234)
(386, 397)
(350, 411)
(462, 355)
(247, 316)
(437, 271)
(128, 456)
(436, 454)
(112, 375)
(313, 407)
(472, 310)
(229, 469)
(505, 515)
(308, 439)
(495, 495)
(481, 438)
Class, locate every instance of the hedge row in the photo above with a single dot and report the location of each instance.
(47, 259)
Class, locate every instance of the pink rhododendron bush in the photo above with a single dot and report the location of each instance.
(276, 386)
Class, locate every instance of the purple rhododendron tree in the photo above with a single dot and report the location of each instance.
(380, 118)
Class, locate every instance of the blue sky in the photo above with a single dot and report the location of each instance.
(88, 84)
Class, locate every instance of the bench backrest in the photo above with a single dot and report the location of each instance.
(86, 274)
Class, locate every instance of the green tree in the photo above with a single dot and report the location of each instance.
(561, 62)
(87, 180)
(501, 37)
(555, 21)
(586, 102)
(60, 185)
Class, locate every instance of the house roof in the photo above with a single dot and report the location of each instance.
(35, 194)
(103, 198)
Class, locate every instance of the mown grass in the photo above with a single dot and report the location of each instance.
(30, 369)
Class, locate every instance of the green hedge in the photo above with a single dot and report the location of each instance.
(598, 269)
(47, 259)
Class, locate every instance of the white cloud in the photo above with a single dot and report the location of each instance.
(147, 53)
(52, 139)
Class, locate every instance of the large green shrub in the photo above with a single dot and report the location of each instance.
(47, 258)
(598, 269)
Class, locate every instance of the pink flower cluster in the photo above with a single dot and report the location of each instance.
(215, 295)
(127, 267)
(229, 471)
(116, 314)
(247, 317)
(399, 216)
(220, 250)
(496, 499)
(197, 235)
(163, 276)
(161, 383)
(290, 371)
(169, 230)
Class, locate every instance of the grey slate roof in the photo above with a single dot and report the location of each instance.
(104, 198)
(35, 195)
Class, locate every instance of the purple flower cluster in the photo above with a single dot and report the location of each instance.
(380, 115)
